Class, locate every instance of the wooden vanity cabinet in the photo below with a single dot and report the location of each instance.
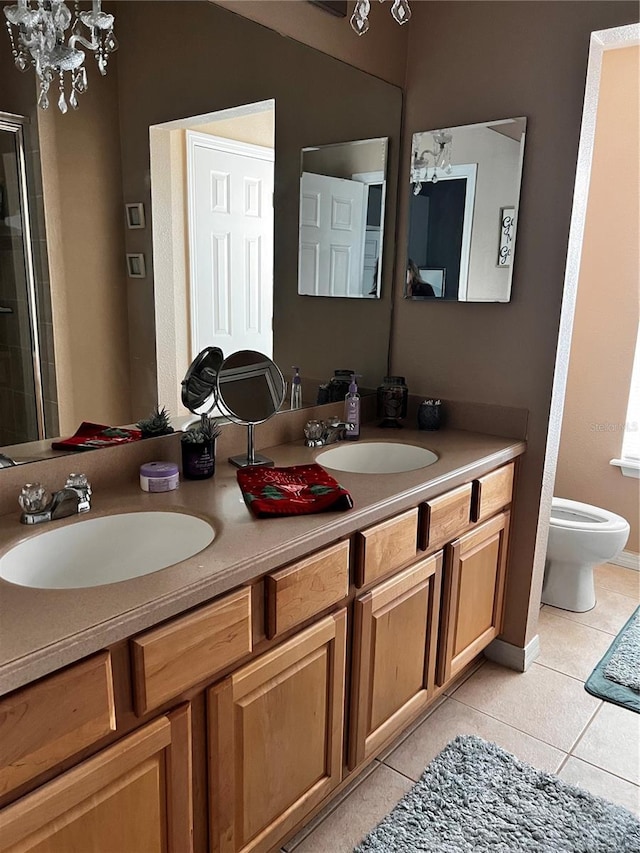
(472, 596)
(134, 796)
(394, 655)
(275, 731)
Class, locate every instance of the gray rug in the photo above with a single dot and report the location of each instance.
(476, 798)
(616, 678)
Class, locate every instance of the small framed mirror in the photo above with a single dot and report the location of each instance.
(463, 212)
(342, 210)
(251, 389)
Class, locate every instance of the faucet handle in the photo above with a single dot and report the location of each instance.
(78, 481)
(33, 497)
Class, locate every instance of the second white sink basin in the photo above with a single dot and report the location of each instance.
(376, 457)
(98, 551)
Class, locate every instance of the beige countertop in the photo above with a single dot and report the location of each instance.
(43, 630)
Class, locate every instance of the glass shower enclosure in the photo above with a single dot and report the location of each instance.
(21, 395)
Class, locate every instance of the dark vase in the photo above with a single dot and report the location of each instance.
(429, 416)
(198, 460)
(392, 401)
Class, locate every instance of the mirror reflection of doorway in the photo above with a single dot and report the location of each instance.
(21, 399)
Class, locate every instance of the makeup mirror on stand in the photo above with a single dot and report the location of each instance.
(199, 386)
(251, 389)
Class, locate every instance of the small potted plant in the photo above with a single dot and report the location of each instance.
(158, 423)
(199, 449)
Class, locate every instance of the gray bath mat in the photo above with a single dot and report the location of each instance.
(476, 798)
(617, 677)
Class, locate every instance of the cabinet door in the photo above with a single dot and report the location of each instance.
(473, 594)
(395, 635)
(133, 796)
(275, 738)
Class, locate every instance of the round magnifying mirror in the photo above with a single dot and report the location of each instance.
(199, 386)
(251, 389)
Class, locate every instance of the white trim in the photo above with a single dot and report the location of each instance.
(377, 179)
(514, 657)
(369, 177)
(628, 467)
(228, 146)
(628, 560)
(617, 37)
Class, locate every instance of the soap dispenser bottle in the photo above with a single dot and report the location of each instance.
(352, 410)
(296, 390)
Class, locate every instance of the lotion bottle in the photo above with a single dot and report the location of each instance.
(352, 410)
(296, 390)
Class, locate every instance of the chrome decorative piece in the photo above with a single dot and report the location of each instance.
(38, 506)
(438, 158)
(321, 433)
(38, 31)
(400, 10)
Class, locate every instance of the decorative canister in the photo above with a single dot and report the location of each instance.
(392, 401)
(198, 459)
(159, 477)
(429, 412)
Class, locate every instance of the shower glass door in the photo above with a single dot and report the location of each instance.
(21, 407)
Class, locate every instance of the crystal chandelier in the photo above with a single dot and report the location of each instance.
(400, 10)
(39, 40)
(437, 158)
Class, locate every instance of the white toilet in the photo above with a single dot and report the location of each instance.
(580, 537)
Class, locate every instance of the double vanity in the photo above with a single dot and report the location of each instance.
(220, 703)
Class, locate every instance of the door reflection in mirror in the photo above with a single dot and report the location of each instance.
(456, 248)
(342, 207)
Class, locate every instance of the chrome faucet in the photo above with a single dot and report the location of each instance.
(321, 433)
(37, 506)
(6, 461)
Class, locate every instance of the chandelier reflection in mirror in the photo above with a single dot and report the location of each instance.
(38, 31)
(437, 158)
(400, 10)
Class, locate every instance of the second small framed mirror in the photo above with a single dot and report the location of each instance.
(463, 212)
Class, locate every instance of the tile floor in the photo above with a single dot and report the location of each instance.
(544, 716)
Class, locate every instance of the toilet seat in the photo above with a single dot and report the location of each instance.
(573, 515)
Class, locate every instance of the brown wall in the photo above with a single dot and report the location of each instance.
(606, 318)
(485, 61)
(232, 61)
(85, 229)
(382, 51)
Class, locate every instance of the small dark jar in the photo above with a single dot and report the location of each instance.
(392, 398)
(429, 415)
(198, 460)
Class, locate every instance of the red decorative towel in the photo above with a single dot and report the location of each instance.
(298, 490)
(88, 436)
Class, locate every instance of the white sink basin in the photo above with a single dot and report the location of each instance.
(376, 457)
(98, 551)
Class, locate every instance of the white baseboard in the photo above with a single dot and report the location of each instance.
(627, 559)
(514, 657)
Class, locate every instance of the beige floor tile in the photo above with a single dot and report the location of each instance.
(347, 825)
(602, 784)
(610, 613)
(454, 718)
(451, 689)
(618, 579)
(299, 837)
(612, 742)
(548, 705)
(568, 646)
(411, 728)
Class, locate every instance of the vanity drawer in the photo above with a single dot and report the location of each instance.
(306, 588)
(51, 720)
(386, 546)
(174, 657)
(445, 517)
(492, 492)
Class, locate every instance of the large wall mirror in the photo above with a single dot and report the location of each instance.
(463, 211)
(342, 212)
(111, 230)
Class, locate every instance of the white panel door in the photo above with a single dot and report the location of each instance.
(230, 186)
(332, 224)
